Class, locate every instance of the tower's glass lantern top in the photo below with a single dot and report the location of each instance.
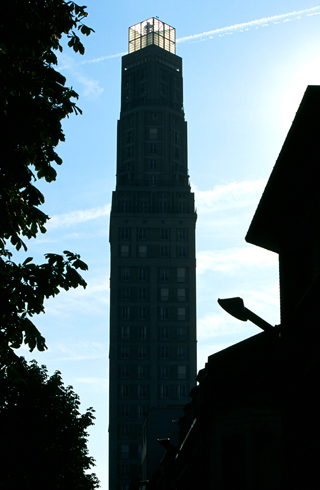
(152, 31)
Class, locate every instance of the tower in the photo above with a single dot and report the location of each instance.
(152, 239)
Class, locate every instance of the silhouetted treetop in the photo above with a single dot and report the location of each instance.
(33, 102)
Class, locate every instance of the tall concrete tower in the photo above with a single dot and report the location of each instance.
(152, 238)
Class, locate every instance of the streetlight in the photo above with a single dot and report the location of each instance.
(236, 308)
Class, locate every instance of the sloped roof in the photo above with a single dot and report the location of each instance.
(293, 190)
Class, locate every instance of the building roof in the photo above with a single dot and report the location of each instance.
(293, 191)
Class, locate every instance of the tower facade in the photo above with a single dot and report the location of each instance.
(152, 239)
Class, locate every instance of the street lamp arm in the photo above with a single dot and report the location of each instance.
(235, 307)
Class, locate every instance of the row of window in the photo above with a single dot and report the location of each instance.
(142, 294)
(142, 391)
(155, 117)
(151, 149)
(142, 274)
(152, 134)
(148, 207)
(127, 371)
(153, 233)
(164, 251)
(142, 352)
(141, 90)
(142, 332)
(142, 313)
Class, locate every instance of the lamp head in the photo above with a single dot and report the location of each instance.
(235, 307)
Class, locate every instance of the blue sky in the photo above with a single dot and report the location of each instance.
(246, 66)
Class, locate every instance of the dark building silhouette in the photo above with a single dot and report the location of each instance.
(152, 238)
(253, 421)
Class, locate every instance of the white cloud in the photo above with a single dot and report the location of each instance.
(91, 86)
(253, 23)
(229, 196)
(229, 260)
(101, 383)
(75, 217)
(78, 351)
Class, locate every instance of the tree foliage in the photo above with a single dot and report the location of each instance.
(34, 100)
(43, 437)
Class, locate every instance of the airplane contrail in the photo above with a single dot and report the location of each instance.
(229, 29)
(252, 23)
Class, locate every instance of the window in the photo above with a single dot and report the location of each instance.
(124, 250)
(164, 294)
(181, 352)
(164, 234)
(164, 391)
(163, 207)
(182, 252)
(181, 294)
(125, 312)
(124, 206)
(142, 274)
(176, 153)
(164, 251)
(142, 313)
(182, 372)
(124, 371)
(125, 332)
(181, 392)
(124, 411)
(181, 313)
(164, 313)
(142, 372)
(124, 471)
(164, 275)
(181, 333)
(164, 333)
(124, 487)
(142, 391)
(142, 234)
(125, 294)
(182, 235)
(153, 133)
(164, 372)
(125, 352)
(153, 164)
(129, 151)
(124, 431)
(125, 233)
(124, 451)
(142, 294)
(125, 391)
(176, 138)
(182, 207)
(142, 353)
(142, 411)
(181, 274)
(143, 88)
(143, 206)
(125, 273)
(153, 180)
(163, 89)
(164, 352)
(142, 333)
(142, 251)
(153, 149)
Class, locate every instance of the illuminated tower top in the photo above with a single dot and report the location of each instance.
(152, 31)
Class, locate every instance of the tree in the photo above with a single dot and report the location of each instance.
(43, 435)
(33, 102)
